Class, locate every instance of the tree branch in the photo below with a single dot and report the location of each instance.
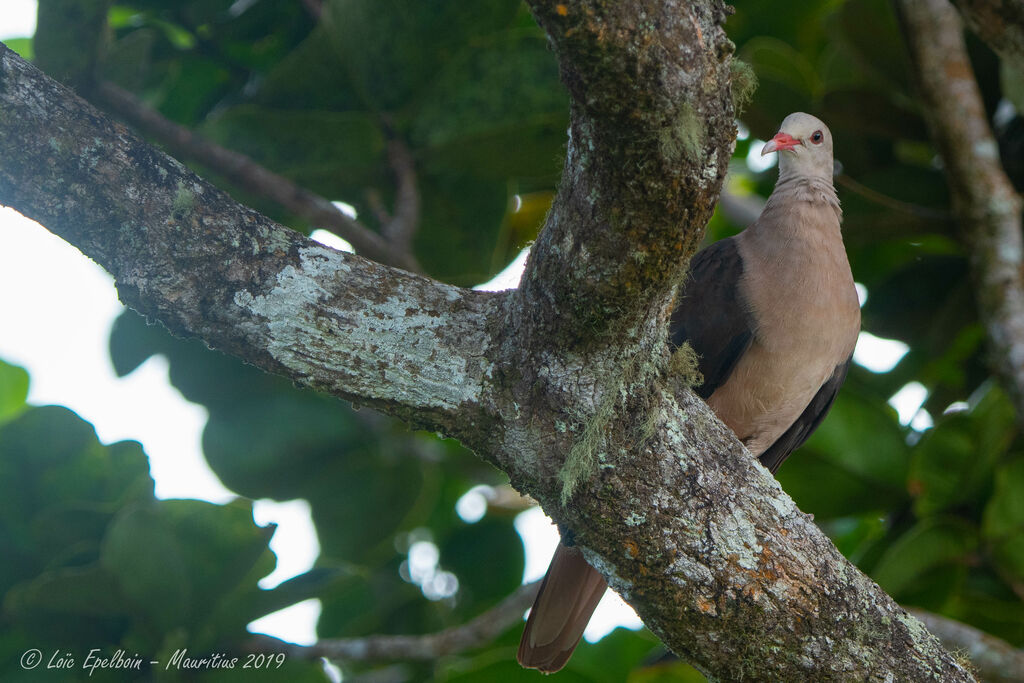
(651, 134)
(574, 366)
(246, 173)
(402, 226)
(1000, 23)
(482, 630)
(984, 201)
(188, 255)
(996, 660)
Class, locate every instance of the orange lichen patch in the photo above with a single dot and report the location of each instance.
(707, 607)
(561, 10)
(766, 567)
(752, 592)
(700, 34)
(766, 572)
(632, 549)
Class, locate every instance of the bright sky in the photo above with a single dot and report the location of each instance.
(55, 320)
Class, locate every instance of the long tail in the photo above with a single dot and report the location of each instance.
(568, 597)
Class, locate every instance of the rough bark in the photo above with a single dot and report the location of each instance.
(568, 374)
(984, 201)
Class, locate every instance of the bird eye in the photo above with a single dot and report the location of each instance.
(816, 137)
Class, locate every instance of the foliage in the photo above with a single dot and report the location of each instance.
(93, 560)
(935, 516)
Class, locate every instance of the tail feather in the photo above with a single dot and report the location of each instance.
(567, 598)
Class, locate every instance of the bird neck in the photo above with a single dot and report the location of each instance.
(805, 188)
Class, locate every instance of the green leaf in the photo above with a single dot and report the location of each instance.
(853, 536)
(1011, 79)
(483, 583)
(379, 602)
(143, 552)
(667, 672)
(988, 603)
(224, 549)
(336, 154)
(934, 543)
(1003, 526)
(270, 442)
(307, 585)
(953, 462)
(870, 29)
(787, 82)
(313, 76)
(500, 665)
(88, 591)
(616, 655)
(862, 476)
(13, 390)
(460, 229)
(392, 49)
(23, 46)
(362, 500)
(497, 108)
(60, 489)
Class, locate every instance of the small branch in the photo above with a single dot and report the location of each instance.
(984, 201)
(399, 230)
(744, 209)
(1000, 23)
(376, 205)
(247, 173)
(891, 203)
(997, 661)
(480, 631)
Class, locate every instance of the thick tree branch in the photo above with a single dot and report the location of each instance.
(245, 172)
(186, 254)
(651, 133)
(985, 203)
(480, 631)
(668, 505)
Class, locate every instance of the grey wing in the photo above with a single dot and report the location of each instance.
(813, 414)
(711, 314)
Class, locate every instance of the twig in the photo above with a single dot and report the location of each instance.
(923, 212)
(997, 661)
(744, 209)
(480, 631)
(402, 226)
(1000, 23)
(984, 202)
(247, 173)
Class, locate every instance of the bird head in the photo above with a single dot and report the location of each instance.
(804, 145)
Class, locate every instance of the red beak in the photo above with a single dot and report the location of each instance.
(780, 143)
